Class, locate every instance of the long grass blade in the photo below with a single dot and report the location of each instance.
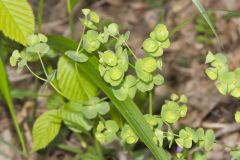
(203, 12)
(4, 88)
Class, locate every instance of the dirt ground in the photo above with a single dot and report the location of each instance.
(183, 63)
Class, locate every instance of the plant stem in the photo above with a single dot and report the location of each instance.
(30, 70)
(131, 51)
(45, 80)
(80, 42)
(70, 18)
(150, 103)
(4, 89)
(44, 69)
(40, 15)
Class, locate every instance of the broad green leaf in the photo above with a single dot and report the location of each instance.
(74, 119)
(127, 108)
(45, 129)
(5, 91)
(16, 19)
(73, 83)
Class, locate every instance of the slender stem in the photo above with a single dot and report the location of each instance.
(40, 15)
(131, 51)
(30, 70)
(101, 118)
(131, 65)
(45, 80)
(70, 18)
(150, 103)
(44, 69)
(80, 42)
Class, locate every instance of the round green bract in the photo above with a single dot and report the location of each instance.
(161, 32)
(150, 45)
(109, 58)
(113, 29)
(170, 112)
(149, 64)
(116, 73)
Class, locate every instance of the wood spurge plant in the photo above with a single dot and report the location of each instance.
(96, 84)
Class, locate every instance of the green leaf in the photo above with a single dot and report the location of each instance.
(210, 57)
(128, 135)
(203, 12)
(113, 29)
(17, 19)
(237, 116)
(209, 139)
(106, 131)
(73, 117)
(127, 108)
(45, 129)
(74, 84)
(77, 57)
(94, 107)
(235, 154)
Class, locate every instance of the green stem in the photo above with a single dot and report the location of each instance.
(30, 70)
(131, 51)
(45, 80)
(150, 103)
(70, 18)
(4, 88)
(80, 42)
(40, 15)
(44, 69)
(99, 150)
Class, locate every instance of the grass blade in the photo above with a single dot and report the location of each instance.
(6, 94)
(203, 12)
(127, 108)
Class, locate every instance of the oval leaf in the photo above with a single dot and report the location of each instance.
(17, 20)
(73, 83)
(45, 129)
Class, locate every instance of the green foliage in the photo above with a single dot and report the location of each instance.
(235, 154)
(49, 121)
(73, 117)
(205, 15)
(74, 84)
(106, 131)
(226, 81)
(237, 116)
(173, 110)
(102, 59)
(204, 33)
(5, 91)
(14, 26)
(128, 135)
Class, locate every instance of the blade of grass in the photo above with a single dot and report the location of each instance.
(203, 12)
(127, 108)
(40, 15)
(181, 25)
(4, 88)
